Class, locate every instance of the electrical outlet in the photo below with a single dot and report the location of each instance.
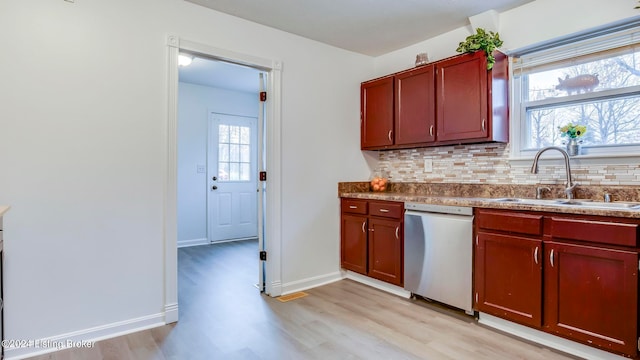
(201, 169)
(428, 165)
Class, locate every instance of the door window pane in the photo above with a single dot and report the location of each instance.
(223, 132)
(245, 153)
(234, 155)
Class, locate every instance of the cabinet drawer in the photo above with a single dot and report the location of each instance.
(386, 209)
(512, 222)
(354, 206)
(595, 231)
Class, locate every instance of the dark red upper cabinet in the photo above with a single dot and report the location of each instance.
(452, 101)
(376, 104)
(415, 107)
(398, 111)
(472, 103)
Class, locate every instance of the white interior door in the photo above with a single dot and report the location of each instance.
(232, 178)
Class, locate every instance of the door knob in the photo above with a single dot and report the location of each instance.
(214, 178)
(214, 187)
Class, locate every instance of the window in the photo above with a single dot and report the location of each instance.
(592, 81)
(234, 153)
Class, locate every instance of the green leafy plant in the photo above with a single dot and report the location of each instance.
(481, 40)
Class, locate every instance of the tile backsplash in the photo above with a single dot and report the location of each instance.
(489, 164)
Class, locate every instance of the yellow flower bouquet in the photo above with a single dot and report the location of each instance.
(572, 131)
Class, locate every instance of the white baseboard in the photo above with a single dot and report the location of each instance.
(171, 313)
(396, 290)
(193, 242)
(86, 338)
(552, 341)
(305, 284)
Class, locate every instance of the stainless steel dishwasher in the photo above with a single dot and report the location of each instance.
(438, 253)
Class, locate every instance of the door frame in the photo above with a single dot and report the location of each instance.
(273, 187)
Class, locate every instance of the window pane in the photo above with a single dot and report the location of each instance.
(234, 172)
(245, 135)
(223, 133)
(223, 152)
(234, 152)
(604, 73)
(608, 122)
(234, 134)
(223, 171)
(245, 153)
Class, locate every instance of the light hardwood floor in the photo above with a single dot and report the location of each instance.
(223, 316)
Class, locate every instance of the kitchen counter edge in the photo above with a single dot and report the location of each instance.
(488, 203)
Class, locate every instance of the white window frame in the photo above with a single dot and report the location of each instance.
(615, 35)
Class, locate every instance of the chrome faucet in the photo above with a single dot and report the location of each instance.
(570, 185)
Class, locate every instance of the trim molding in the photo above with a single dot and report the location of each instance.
(63, 341)
(171, 175)
(193, 242)
(381, 285)
(171, 313)
(308, 283)
(539, 337)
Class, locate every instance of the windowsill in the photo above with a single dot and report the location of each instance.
(590, 159)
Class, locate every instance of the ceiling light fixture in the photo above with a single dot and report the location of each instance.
(184, 59)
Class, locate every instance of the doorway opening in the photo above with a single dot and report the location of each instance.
(220, 151)
(268, 158)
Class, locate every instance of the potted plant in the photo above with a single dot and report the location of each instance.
(573, 132)
(487, 41)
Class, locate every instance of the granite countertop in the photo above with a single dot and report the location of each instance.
(4, 209)
(483, 196)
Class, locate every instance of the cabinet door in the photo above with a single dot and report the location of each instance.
(592, 295)
(353, 241)
(385, 250)
(376, 104)
(415, 106)
(462, 98)
(508, 277)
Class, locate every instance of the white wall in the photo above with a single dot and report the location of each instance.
(83, 114)
(532, 23)
(194, 104)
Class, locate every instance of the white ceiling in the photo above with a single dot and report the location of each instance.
(370, 27)
(220, 74)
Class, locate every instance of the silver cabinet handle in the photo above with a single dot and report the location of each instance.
(484, 124)
(363, 224)
(431, 130)
(352, 207)
(535, 255)
(384, 210)
(389, 135)
(397, 230)
(551, 257)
